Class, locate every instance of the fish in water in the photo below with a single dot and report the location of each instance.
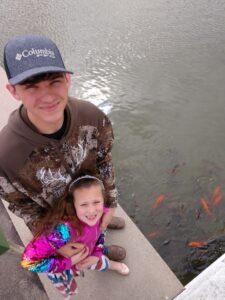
(158, 200)
(217, 196)
(154, 234)
(217, 199)
(217, 191)
(205, 206)
(196, 244)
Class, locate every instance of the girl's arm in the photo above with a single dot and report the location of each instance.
(41, 255)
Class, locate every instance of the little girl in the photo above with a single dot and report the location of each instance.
(76, 218)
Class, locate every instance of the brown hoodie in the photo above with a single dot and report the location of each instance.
(35, 170)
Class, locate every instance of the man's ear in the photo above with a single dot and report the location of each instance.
(68, 79)
(12, 90)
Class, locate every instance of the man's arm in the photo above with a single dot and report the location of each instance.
(106, 169)
(20, 204)
(104, 162)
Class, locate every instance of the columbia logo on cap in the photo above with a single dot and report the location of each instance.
(18, 56)
(36, 52)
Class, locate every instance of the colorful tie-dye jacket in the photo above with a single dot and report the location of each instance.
(40, 254)
(35, 169)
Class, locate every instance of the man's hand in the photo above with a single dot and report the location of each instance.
(87, 262)
(107, 217)
(79, 257)
(71, 249)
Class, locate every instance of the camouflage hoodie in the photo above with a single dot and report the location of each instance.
(35, 169)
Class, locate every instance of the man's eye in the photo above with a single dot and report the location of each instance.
(31, 87)
(84, 204)
(55, 82)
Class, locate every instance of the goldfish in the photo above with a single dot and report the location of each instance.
(196, 244)
(154, 234)
(205, 206)
(217, 191)
(217, 195)
(158, 200)
(217, 199)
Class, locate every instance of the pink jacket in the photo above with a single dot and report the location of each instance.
(41, 255)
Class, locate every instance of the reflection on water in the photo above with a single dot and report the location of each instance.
(94, 91)
(157, 68)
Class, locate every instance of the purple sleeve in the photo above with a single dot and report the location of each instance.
(40, 254)
(97, 251)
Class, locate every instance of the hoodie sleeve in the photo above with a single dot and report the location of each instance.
(40, 254)
(19, 203)
(104, 161)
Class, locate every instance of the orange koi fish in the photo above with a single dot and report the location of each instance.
(217, 191)
(158, 200)
(154, 234)
(196, 244)
(205, 206)
(217, 199)
(217, 196)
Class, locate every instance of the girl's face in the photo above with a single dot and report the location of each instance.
(89, 203)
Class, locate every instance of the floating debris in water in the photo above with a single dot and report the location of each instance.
(166, 242)
(176, 168)
(197, 213)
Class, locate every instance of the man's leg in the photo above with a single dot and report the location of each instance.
(113, 252)
(116, 223)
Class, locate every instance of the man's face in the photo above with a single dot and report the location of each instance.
(45, 101)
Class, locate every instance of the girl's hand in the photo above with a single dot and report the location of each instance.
(79, 256)
(70, 249)
(87, 263)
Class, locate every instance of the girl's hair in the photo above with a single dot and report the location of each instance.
(63, 210)
(85, 182)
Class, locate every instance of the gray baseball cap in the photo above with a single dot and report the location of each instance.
(29, 55)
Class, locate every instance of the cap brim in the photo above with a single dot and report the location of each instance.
(29, 73)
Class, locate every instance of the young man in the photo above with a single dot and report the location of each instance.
(51, 139)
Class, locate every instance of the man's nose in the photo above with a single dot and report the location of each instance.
(46, 95)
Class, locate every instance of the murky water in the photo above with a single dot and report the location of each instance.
(158, 69)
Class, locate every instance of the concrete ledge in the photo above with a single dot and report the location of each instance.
(150, 277)
(208, 285)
